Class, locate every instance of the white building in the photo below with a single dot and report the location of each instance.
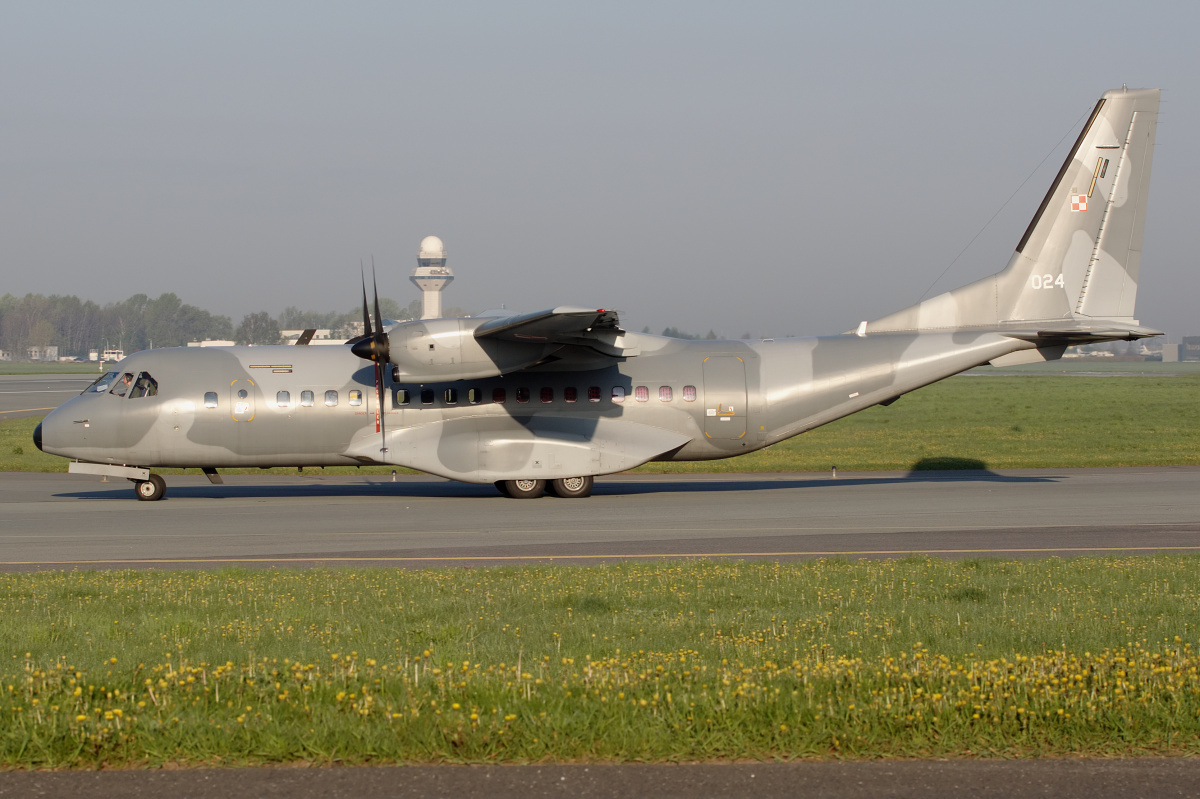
(47, 353)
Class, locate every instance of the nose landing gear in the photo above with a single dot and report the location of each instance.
(150, 490)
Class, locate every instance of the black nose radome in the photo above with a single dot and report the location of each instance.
(37, 436)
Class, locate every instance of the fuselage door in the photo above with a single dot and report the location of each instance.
(724, 397)
(241, 399)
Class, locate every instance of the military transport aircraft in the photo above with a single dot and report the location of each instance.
(553, 398)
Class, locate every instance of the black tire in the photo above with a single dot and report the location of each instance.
(572, 487)
(150, 490)
(525, 489)
(502, 487)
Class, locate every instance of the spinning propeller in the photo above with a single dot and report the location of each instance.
(374, 346)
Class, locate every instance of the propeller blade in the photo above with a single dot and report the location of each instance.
(380, 407)
(366, 313)
(383, 346)
(374, 344)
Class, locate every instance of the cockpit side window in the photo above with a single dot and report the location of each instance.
(120, 385)
(101, 384)
(144, 386)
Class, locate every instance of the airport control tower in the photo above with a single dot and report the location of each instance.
(431, 276)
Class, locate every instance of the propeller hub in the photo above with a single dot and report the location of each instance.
(374, 348)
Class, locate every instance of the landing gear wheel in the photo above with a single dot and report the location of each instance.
(502, 487)
(150, 490)
(572, 487)
(524, 489)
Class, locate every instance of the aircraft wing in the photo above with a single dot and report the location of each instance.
(599, 329)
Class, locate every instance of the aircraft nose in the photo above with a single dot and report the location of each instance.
(37, 436)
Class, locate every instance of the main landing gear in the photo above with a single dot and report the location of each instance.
(150, 490)
(565, 487)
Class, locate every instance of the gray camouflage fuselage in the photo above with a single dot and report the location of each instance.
(637, 398)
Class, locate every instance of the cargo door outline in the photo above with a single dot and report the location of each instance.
(724, 397)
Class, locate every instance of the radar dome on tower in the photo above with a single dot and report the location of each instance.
(431, 247)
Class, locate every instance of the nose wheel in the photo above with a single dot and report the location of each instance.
(150, 490)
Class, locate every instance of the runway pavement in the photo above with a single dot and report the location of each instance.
(37, 395)
(1153, 778)
(70, 521)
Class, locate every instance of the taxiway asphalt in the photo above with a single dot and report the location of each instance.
(71, 521)
(1153, 778)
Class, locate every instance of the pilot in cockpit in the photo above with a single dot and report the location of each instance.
(121, 386)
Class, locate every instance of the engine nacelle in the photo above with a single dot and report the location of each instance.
(432, 350)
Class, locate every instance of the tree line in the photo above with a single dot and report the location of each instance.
(76, 326)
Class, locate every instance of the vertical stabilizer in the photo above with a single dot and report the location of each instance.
(1080, 256)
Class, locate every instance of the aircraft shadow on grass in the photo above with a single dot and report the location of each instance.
(926, 470)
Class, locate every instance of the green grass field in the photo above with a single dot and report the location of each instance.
(632, 662)
(964, 422)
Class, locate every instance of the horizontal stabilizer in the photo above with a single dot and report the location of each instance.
(1081, 332)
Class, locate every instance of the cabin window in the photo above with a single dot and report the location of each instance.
(665, 393)
(427, 396)
(210, 399)
(570, 394)
(331, 398)
(283, 399)
(641, 393)
(547, 395)
(689, 393)
(242, 393)
(121, 384)
(450, 396)
(522, 395)
(355, 397)
(144, 386)
(499, 396)
(618, 394)
(102, 383)
(400, 397)
(474, 396)
(593, 393)
(306, 398)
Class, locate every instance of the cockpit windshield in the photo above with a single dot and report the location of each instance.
(120, 385)
(101, 384)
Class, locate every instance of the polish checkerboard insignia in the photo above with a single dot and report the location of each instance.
(1078, 202)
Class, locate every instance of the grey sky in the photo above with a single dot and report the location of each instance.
(777, 168)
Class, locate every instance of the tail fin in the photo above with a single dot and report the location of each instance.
(1078, 261)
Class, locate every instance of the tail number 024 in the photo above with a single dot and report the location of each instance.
(1046, 281)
